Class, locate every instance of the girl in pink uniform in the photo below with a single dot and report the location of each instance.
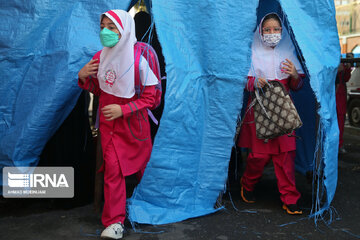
(273, 59)
(124, 124)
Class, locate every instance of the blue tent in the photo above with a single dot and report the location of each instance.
(206, 45)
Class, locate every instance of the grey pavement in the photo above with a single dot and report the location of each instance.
(39, 219)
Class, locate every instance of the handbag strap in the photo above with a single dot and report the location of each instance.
(258, 98)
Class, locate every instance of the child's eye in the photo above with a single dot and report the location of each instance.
(268, 30)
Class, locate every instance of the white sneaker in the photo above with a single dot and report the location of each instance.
(114, 231)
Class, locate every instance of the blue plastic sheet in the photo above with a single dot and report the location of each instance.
(206, 45)
(42, 47)
(314, 26)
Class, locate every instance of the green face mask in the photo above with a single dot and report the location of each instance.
(108, 38)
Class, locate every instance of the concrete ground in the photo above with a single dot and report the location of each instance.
(43, 219)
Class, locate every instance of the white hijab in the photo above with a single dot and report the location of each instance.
(266, 61)
(116, 69)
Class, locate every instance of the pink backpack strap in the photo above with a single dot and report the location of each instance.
(137, 56)
(147, 51)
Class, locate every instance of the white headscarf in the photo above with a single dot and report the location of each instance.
(116, 69)
(266, 61)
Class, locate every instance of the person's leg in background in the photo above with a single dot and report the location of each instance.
(341, 122)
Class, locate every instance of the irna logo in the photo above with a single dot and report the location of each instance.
(37, 180)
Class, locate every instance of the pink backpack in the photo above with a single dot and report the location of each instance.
(147, 51)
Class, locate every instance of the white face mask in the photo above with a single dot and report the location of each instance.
(271, 40)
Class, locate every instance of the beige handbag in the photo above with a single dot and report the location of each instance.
(274, 112)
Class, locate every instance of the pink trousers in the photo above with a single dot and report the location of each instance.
(114, 189)
(284, 166)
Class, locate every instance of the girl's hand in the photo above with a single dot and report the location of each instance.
(89, 69)
(112, 112)
(289, 68)
(260, 83)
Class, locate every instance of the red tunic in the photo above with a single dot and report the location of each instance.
(130, 134)
(248, 137)
(341, 94)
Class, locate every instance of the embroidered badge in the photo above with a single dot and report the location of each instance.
(110, 77)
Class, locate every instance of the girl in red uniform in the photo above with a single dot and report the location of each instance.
(342, 77)
(124, 124)
(273, 59)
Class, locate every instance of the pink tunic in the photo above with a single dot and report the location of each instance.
(248, 137)
(341, 94)
(129, 134)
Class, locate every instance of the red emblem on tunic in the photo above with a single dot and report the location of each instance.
(110, 77)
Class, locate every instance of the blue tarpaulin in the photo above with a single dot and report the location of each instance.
(206, 45)
(43, 45)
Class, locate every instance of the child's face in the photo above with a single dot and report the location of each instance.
(271, 26)
(107, 23)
